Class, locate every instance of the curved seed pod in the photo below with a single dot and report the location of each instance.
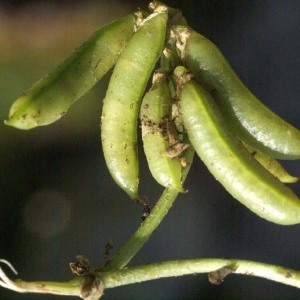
(50, 98)
(231, 164)
(272, 165)
(122, 101)
(250, 119)
(155, 122)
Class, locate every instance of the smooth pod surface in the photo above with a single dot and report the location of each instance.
(248, 117)
(51, 97)
(155, 115)
(235, 168)
(123, 98)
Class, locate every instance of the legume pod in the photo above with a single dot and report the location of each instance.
(51, 97)
(231, 164)
(155, 122)
(248, 117)
(123, 98)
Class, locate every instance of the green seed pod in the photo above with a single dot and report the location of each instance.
(122, 101)
(250, 119)
(51, 97)
(230, 163)
(155, 122)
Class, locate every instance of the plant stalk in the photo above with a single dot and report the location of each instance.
(218, 269)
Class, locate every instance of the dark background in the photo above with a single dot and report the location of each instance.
(57, 199)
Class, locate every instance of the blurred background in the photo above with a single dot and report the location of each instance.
(57, 199)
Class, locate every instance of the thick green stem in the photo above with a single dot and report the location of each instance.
(70, 288)
(91, 286)
(218, 269)
(140, 237)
